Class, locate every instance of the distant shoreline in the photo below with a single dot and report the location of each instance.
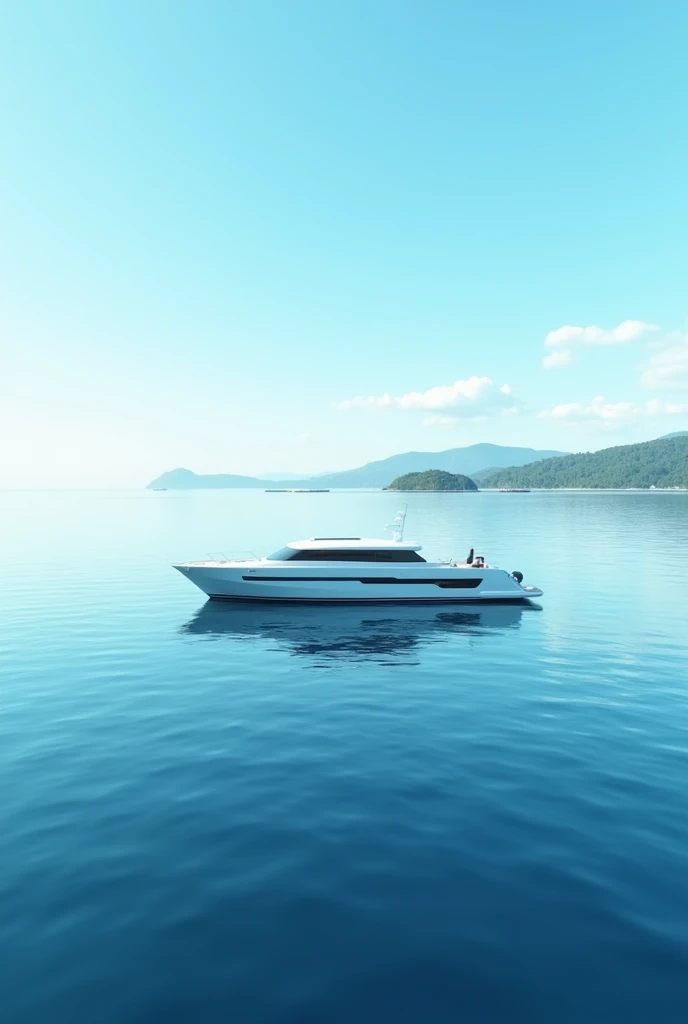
(387, 490)
(429, 490)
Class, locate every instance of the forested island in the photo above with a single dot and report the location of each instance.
(660, 464)
(433, 480)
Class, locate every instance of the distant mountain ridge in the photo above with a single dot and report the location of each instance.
(471, 460)
(661, 463)
(186, 480)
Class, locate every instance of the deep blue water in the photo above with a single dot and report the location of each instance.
(263, 814)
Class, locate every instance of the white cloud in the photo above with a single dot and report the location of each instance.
(477, 396)
(611, 414)
(627, 331)
(567, 337)
(304, 438)
(560, 358)
(668, 369)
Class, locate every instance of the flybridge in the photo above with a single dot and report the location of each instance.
(348, 544)
(355, 543)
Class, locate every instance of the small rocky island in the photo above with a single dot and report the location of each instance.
(433, 480)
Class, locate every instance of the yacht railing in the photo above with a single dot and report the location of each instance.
(233, 556)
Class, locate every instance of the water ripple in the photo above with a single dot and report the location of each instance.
(271, 815)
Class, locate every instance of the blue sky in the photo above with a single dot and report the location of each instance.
(229, 230)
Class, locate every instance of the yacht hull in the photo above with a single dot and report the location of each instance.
(361, 584)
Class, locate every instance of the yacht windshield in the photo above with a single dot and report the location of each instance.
(283, 555)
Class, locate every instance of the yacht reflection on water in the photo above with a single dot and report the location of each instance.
(361, 631)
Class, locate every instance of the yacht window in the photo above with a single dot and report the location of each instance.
(352, 555)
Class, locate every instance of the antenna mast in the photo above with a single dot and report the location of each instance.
(397, 525)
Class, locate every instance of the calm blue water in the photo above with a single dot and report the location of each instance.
(215, 813)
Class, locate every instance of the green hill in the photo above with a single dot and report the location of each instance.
(484, 473)
(662, 463)
(433, 480)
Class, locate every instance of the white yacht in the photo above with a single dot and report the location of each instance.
(356, 569)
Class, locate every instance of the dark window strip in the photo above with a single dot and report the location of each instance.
(465, 583)
(460, 584)
(334, 555)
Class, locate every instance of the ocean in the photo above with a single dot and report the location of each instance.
(268, 814)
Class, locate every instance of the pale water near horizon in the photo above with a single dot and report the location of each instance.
(268, 814)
